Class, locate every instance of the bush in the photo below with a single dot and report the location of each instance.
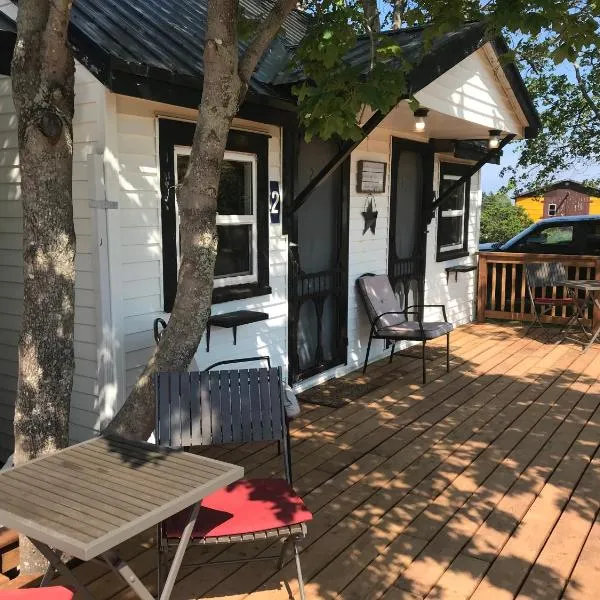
(501, 219)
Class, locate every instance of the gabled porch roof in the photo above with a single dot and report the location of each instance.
(154, 50)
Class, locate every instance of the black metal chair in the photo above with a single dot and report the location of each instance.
(389, 321)
(231, 406)
(540, 277)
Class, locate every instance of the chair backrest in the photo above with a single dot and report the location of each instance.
(219, 407)
(378, 298)
(545, 274)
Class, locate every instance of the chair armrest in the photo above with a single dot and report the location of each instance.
(442, 306)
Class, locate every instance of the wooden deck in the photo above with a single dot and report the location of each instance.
(482, 484)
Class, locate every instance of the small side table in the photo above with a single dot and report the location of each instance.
(232, 320)
(591, 288)
(459, 269)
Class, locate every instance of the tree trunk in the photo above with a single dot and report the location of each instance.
(398, 14)
(372, 15)
(225, 84)
(43, 79)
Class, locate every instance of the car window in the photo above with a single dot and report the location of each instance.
(557, 239)
(592, 241)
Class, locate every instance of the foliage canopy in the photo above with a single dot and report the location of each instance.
(501, 219)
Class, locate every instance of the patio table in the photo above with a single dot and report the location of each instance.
(87, 499)
(591, 288)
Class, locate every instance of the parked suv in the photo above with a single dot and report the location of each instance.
(557, 235)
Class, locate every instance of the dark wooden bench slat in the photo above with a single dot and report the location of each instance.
(246, 406)
(255, 408)
(215, 408)
(236, 407)
(196, 428)
(175, 406)
(185, 398)
(205, 409)
(276, 390)
(265, 404)
(225, 407)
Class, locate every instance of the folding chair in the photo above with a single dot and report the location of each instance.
(540, 277)
(231, 406)
(389, 321)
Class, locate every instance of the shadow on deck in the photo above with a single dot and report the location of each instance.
(483, 484)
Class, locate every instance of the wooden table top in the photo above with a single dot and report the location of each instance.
(91, 497)
(589, 285)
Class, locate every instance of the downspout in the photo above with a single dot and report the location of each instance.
(476, 167)
(103, 195)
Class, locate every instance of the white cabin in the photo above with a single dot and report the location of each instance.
(133, 126)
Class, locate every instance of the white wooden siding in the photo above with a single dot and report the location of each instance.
(369, 254)
(458, 294)
(85, 130)
(474, 90)
(139, 208)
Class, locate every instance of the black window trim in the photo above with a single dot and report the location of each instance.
(173, 133)
(448, 168)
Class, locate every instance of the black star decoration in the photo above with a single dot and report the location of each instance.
(370, 217)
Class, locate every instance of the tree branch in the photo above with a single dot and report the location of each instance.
(264, 35)
(585, 93)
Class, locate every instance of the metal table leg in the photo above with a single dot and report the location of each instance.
(181, 548)
(597, 332)
(56, 563)
(120, 567)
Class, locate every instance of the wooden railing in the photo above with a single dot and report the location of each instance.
(502, 287)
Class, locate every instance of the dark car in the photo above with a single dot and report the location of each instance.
(557, 235)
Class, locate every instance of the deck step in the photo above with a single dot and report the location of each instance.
(21, 581)
(9, 550)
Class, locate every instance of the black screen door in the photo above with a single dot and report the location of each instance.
(411, 189)
(318, 282)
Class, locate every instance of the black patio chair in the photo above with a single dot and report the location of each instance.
(231, 406)
(540, 277)
(390, 322)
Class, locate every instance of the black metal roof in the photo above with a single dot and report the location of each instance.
(154, 49)
(565, 184)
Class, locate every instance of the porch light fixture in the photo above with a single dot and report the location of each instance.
(420, 119)
(494, 140)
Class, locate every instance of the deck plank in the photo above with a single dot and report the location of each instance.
(483, 483)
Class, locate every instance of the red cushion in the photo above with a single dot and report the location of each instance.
(554, 300)
(246, 506)
(45, 593)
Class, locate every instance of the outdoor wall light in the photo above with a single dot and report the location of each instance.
(420, 119)
(494, 140)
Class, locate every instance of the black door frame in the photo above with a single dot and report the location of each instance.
(410, 269)
(303, 286)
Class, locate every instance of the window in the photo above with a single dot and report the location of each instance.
(453, 214)
(592, 242)
(236, 216)
(551, 210)
(550, 240)
(242, 265)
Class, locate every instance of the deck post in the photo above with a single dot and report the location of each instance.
(481, 288)
(596, 311)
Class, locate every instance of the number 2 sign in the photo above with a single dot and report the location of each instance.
(274, 202)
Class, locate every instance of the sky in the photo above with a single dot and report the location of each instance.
(491, 180)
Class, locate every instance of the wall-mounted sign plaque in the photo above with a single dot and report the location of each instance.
(371, 177)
